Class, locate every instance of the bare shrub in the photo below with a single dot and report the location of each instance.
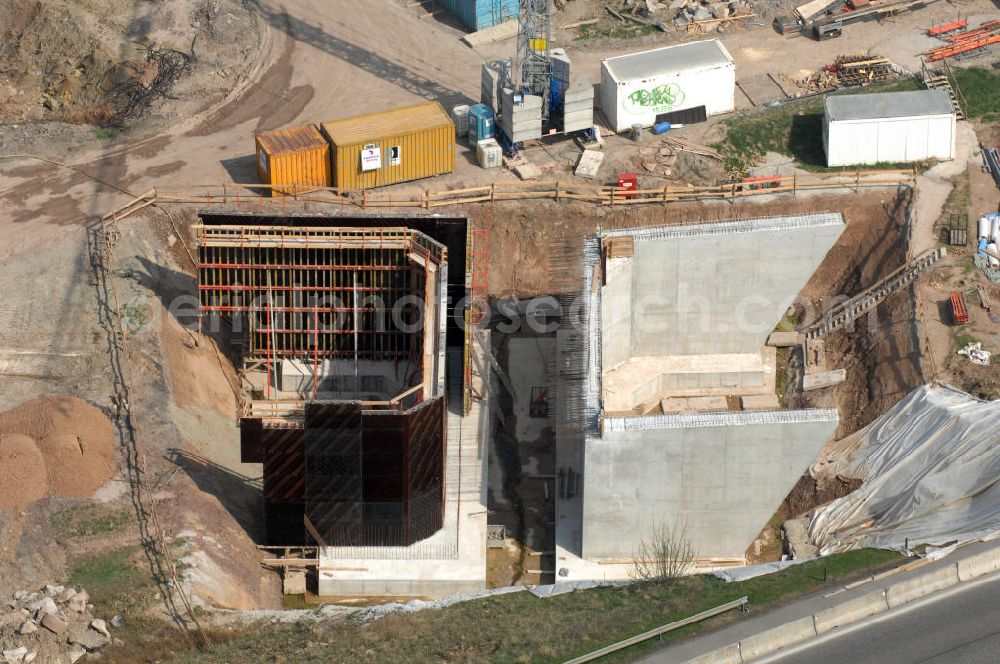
(666, 555)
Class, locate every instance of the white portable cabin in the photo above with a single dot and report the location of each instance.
(888, 127)
(635, 88)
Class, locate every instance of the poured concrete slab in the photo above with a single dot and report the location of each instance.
(589, 164)
(677, 405)
(760, 402)
(784, 339)
(642, 381)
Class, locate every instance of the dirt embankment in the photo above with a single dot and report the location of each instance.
(106, 62)
(882, 353)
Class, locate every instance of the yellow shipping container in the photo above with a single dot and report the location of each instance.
(384, 148)
(298, 155)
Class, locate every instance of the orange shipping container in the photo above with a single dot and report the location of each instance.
(294, 156)
(384, 148)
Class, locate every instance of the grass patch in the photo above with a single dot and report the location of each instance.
(119, 583)
(963, 340)
(105, 133)
(114, 581)
(981, 88)
(522, 628)
(616, 31)
(88, 520)
(794, 129)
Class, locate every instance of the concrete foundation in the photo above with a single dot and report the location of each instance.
(678, 326)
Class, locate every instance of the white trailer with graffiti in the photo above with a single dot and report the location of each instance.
(638, 87)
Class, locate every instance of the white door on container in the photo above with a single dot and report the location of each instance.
(892, 140)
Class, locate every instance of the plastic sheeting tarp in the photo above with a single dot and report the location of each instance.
(551, 590)
(751, 571)
(376, 612)
(930, 467)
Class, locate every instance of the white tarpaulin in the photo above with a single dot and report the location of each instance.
(930, 467)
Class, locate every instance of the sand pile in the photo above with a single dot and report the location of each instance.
(23, 471)
(57, 445)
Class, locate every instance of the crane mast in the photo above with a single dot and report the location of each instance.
(532, 70)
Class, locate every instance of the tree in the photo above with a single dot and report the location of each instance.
(666, 555)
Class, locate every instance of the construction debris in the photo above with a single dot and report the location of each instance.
(974, 351)
(589, 164)
(702, 15)
(134, 87)
(991, 162)
(680, 144)
(966, 44)
(54, 624)
(849, 71)
(818, 381)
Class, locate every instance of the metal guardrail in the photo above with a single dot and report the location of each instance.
(639, 638)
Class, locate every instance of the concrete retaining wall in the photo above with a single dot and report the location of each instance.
(727, 655)
(848, 612)
(785, 635)
(979, 564)
(925, 584)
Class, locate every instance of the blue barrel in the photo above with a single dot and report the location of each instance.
(482, 123)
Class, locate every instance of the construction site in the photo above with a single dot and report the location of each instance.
(538, 326)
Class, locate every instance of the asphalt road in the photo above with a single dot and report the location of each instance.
(962, 627)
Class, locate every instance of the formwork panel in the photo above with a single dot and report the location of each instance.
(284, 465)
(333, 492)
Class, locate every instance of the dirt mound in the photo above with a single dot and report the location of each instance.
(23, 469)
(76, 442)
(106, 62)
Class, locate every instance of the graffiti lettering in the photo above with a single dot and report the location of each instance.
(660, 98)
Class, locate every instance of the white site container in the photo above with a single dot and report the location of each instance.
(489, 153)
(635, 88)
(888, 128)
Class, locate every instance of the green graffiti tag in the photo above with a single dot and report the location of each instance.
(658, 99)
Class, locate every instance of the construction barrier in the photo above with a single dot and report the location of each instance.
(767, 642)
(727, 655)
(250, 197)
(925, 584)
(855, 610)
(848, 612)
(639, 638)
(979, 564)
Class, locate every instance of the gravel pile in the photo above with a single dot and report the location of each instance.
(55, 624)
